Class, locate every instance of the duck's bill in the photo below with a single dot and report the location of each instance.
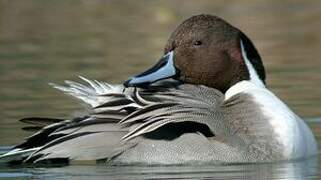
(164, 69)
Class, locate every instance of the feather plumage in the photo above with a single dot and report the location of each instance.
(119, 120)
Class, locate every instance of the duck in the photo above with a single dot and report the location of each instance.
(204, 102)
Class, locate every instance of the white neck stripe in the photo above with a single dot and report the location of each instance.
(254, 78)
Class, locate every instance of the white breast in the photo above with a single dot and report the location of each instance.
(290, 130)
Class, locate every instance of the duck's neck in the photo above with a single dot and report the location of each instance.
(254, 81)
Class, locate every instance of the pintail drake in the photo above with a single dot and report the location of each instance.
(205, 101)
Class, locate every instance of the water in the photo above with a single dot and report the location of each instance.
(50, 41)
(295, 170)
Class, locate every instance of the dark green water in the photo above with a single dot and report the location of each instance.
(50, 41)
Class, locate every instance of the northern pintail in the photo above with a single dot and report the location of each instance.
(205, 101)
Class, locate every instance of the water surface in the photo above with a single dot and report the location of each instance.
(293, 170)
(50, 41)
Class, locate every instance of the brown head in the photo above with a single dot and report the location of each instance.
(206, 50)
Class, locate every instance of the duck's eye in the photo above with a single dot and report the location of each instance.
(197, 43)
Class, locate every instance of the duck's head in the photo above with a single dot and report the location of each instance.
(206, 50)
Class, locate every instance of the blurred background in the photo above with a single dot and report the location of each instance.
(50, 41)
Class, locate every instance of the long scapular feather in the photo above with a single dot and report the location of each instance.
(17, 154)
(95, 93)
